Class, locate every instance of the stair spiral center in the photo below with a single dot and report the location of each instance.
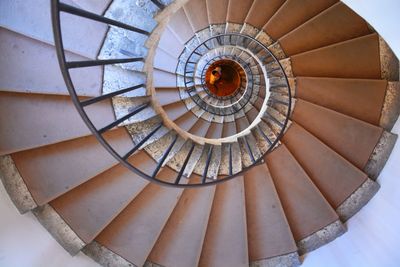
(223, 78)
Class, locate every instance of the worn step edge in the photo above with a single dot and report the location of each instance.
(391, 106)
(357, 200)
(287, 260)
(321, 237)
(104, 256)
(59, 229)
(15, 185)
(380, 155)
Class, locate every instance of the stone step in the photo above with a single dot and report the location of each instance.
(179, 24)
(216, 11)
(345, 187)
(54, 116)
(196, 12)
(50, 171)
(355, 58)
(270, 239)
(131, 236)
(180, 242)
(339, 95)
(237, 11)
(34, 21)
(305, 10)
(259, 19)
(342, 133)
(228, 215)
(312, 220)
(96, 199)
(311, 35)
(25, 73)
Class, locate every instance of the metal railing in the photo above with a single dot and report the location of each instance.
(65, 65)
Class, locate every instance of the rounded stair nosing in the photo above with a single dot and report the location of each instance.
(104, 256)
(357, 200)
(389, 62)
(15, 185)
(59, 229)
(391, 106)
(288, 260)
(321, 237)
(380, 155)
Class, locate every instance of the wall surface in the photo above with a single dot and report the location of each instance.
(373, 236)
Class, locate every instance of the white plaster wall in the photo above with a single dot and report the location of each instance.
(373, 236)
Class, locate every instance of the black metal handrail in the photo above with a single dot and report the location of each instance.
(56, 9)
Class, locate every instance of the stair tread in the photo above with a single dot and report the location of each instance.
(340, 132)
(134, 232)
(53, 116)
(341, 94)
(268, 231)
(306, 209)
(216, 11)
(259, 19)
(196, 11)
(35, 21)
(180, 25)
(285, 20)
(228, 215)
(339, 20)
(237, 10)
(180, 242)
(335, 177)
(55, 169)
(355, 58)
(90, 207)
(24, 73)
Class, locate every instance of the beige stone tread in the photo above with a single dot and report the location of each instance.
(242, 123)
(339, 20)
(54, 118)
(170, 43)
(187, 121)
(285, 20)
(341, 133)
(175, 110)
(229, 128)
(134, 232)
(180, 25)
(259, 19)
(341, 94)
(23, 71)
(215, 131)
(35, 21)
(52, 170)
(237, 10)
(163, 79)
(335, 177)
(306, 210)
(167, 95)
(225, 242)
(164, 61)
(90, 207)
(200, 128)
(355, 58)
(196, 11)
(216, 11)
(268, 231)
(180, 242)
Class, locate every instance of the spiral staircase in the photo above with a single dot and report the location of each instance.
(135, 156)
